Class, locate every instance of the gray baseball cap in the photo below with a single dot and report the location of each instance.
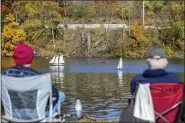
(157, 53)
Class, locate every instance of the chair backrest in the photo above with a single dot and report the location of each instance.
(26, 98)
(167, 98)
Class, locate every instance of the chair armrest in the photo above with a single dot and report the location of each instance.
(59, 105)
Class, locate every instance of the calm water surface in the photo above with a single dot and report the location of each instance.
(100, 87)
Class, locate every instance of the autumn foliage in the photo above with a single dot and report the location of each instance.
(11, 35)
(163, 26)
(138, 34)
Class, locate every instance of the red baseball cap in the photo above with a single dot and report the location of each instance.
(23, 54)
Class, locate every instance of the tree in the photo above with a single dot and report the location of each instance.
(11, 35)
(41, 22)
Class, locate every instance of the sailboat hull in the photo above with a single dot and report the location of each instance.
(119, 68)
(53, 64)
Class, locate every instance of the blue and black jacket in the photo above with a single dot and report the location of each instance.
(154, 76)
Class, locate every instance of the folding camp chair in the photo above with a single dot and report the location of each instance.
(167, 98)
(25, 99)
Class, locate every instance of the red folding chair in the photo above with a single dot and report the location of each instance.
(167, 98)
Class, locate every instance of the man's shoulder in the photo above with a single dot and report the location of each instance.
(8, 69)
(33, 70)
(138, 76)
(173, 76)
(20, 71)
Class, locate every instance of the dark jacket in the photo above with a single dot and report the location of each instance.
(21, 71)
(154, 76)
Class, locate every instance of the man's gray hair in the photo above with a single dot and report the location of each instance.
(160, 63)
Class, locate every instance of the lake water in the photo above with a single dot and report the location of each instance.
(100, 87)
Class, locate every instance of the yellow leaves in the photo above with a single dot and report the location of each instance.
(139, 33)
(9, 18)
(11, 35)
(9, 46)
(177, 11)
(20, 35)
(176, 8)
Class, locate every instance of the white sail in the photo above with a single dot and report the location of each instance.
(120, 65)
(52, 60)
(61, 60)
(56, 60)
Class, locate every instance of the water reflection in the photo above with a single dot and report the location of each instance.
(57, 75)
(101, 94)
(121, 83)
(120, 77)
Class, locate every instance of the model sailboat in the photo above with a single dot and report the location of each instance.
(52, 60)
(103, 60)
(120, 65)
(57, 60)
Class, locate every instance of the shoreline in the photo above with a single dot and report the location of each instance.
(97, 57)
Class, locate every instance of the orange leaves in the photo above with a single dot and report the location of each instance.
(6, 8)
(107, 4)
(63, 11)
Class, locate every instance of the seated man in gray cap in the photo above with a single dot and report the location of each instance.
(157, 63)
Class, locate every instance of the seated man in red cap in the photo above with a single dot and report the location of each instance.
(23, 56)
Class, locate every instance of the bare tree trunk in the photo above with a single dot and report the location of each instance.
(107, 29)
(16, 18)
(101, 11)
(64, 24)
(83, 37)
(54, 44)
(88, 40)
(129, 22)
(64, 39)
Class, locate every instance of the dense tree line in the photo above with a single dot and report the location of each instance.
(36, 23)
